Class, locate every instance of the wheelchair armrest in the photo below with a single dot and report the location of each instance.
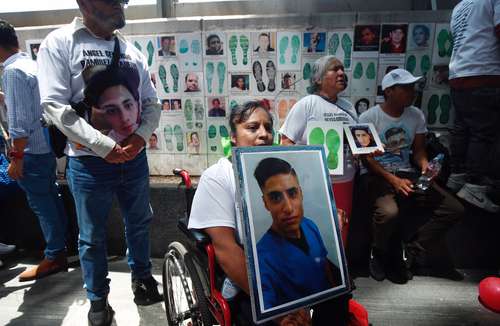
(200, 237)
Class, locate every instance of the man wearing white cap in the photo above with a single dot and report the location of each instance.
(390, 187)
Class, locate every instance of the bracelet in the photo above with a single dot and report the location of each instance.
(18, 155)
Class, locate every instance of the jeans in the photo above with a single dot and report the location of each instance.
(477, 117)
(39, 184)
(93, 183)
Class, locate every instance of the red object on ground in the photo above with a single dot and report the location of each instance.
(358, 316)
(489, 293)
(343, 200)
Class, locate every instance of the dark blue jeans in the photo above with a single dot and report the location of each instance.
(476, 132)
(39, 184)
(93, 183)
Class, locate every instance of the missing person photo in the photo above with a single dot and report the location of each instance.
(295, 254)
(217, 107)
(363, 138)
(214, 44)
(314, 42)
(366, 37)
(166, 46)
(393, 39)
(264, 43)
(192, 82)
(240, 83)
(420, 36)
(288, 81)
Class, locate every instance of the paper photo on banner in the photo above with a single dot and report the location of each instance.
(171, 106)
(364, 77)
(264, 44)
(165, 45)
(288, 81)
(239, 51)
(366, 40)
(147, 45)
(438, 108)
(331, 136)
(32, 47)
(283, 275)
(217, 107)
(168, 78)
(340, 44)
(214, 43)
(264, 77)
(443, 44)
(194, 112)
(314, 43)
(420, 36)
(153, 145)
(189, 51)
(192, 83)
(283, 106)
(440, 76)
(363, 138)
(393, 39)
(289, 50)
(240, 83)
(195, 145)
(216, 77)
(362, 103)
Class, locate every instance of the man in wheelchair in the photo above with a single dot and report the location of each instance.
(214, 211)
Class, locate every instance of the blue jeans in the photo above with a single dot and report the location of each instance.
(39, 184)
(93, 183)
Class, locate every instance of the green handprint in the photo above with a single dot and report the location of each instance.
(168, 135)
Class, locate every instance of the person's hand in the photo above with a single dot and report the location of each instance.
(117, 155)
(342, 217)
(301, 317)
(132, 145)
(15, 169)
(402, 186)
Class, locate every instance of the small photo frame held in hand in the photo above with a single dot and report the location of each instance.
(295, 256)
(363, 138)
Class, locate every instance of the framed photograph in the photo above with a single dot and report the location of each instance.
(295, 256)
(363, 138)
(366, 38)
(32, 47)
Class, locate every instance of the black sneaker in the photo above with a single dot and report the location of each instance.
(377, 261)
(398, 273)
(100, 313)
(146, 291)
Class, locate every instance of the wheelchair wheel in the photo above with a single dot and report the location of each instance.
(185, 301)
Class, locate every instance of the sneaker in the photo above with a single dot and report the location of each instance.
(146, 291)
(100, 313)
(45, 268)
(6, 249)
(456, 181)
(377, 269)
(476, 195)
(396, 270)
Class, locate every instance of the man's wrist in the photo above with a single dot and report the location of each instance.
(13, 154)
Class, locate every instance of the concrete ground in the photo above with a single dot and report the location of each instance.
(60, 299)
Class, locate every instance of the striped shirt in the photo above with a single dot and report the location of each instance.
(22, 99)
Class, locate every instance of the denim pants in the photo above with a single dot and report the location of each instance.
(94, 182)
(39, 184)
(476, 130)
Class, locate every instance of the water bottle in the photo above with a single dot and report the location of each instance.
(432, 171)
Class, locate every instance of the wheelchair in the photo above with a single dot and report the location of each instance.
(191, 276)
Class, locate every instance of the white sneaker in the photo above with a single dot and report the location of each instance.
(456, 181)
(476, 195)
(6, 249)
